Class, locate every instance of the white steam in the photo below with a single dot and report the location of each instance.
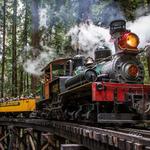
(36, 65)
(141, 27)
(43, 17)
(27, 48)
(87, 37)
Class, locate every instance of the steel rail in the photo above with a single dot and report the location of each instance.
(139, 132)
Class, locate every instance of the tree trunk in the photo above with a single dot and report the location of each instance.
(27, 82)
(25, 41)
(3, 55)
(21, 85)
(14, 51)
(35, 28)
(35, 39)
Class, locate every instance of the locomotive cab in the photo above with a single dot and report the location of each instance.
(55, 74)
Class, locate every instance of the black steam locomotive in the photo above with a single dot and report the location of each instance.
(108, 89)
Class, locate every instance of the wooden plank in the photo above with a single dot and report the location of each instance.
(73, 147)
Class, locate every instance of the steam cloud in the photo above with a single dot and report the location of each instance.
(43, 17)
(34, 66)
(89, 37)
(141, 27)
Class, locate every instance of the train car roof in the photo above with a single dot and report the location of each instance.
(56, 61)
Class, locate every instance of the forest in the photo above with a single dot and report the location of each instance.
(34, 32)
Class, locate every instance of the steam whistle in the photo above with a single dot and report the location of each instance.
(124, 40)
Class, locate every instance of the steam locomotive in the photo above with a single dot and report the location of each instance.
(108, 89)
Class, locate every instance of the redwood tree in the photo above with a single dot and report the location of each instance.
(14, 51)
(23, 75)
(3, 55)
(35, 38)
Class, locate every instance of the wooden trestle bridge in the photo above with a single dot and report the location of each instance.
(37, 134)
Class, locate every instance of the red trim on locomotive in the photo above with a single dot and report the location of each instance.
(108, 92)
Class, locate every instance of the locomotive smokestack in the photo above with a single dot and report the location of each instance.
(116, 28)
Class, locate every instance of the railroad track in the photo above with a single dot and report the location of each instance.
(93, 138)
(138, 132)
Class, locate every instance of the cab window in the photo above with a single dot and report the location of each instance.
(47, 74)
(58, 70)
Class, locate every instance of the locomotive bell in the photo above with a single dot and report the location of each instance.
(89, 61)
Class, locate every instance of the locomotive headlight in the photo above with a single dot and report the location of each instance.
(128, 41)
(132, 70)
(132, 40)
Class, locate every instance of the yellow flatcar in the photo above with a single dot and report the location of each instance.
(23, 105)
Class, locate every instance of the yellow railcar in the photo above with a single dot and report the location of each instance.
(23, 105)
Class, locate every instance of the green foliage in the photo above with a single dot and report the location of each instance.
(144, 61)
(129, 7)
